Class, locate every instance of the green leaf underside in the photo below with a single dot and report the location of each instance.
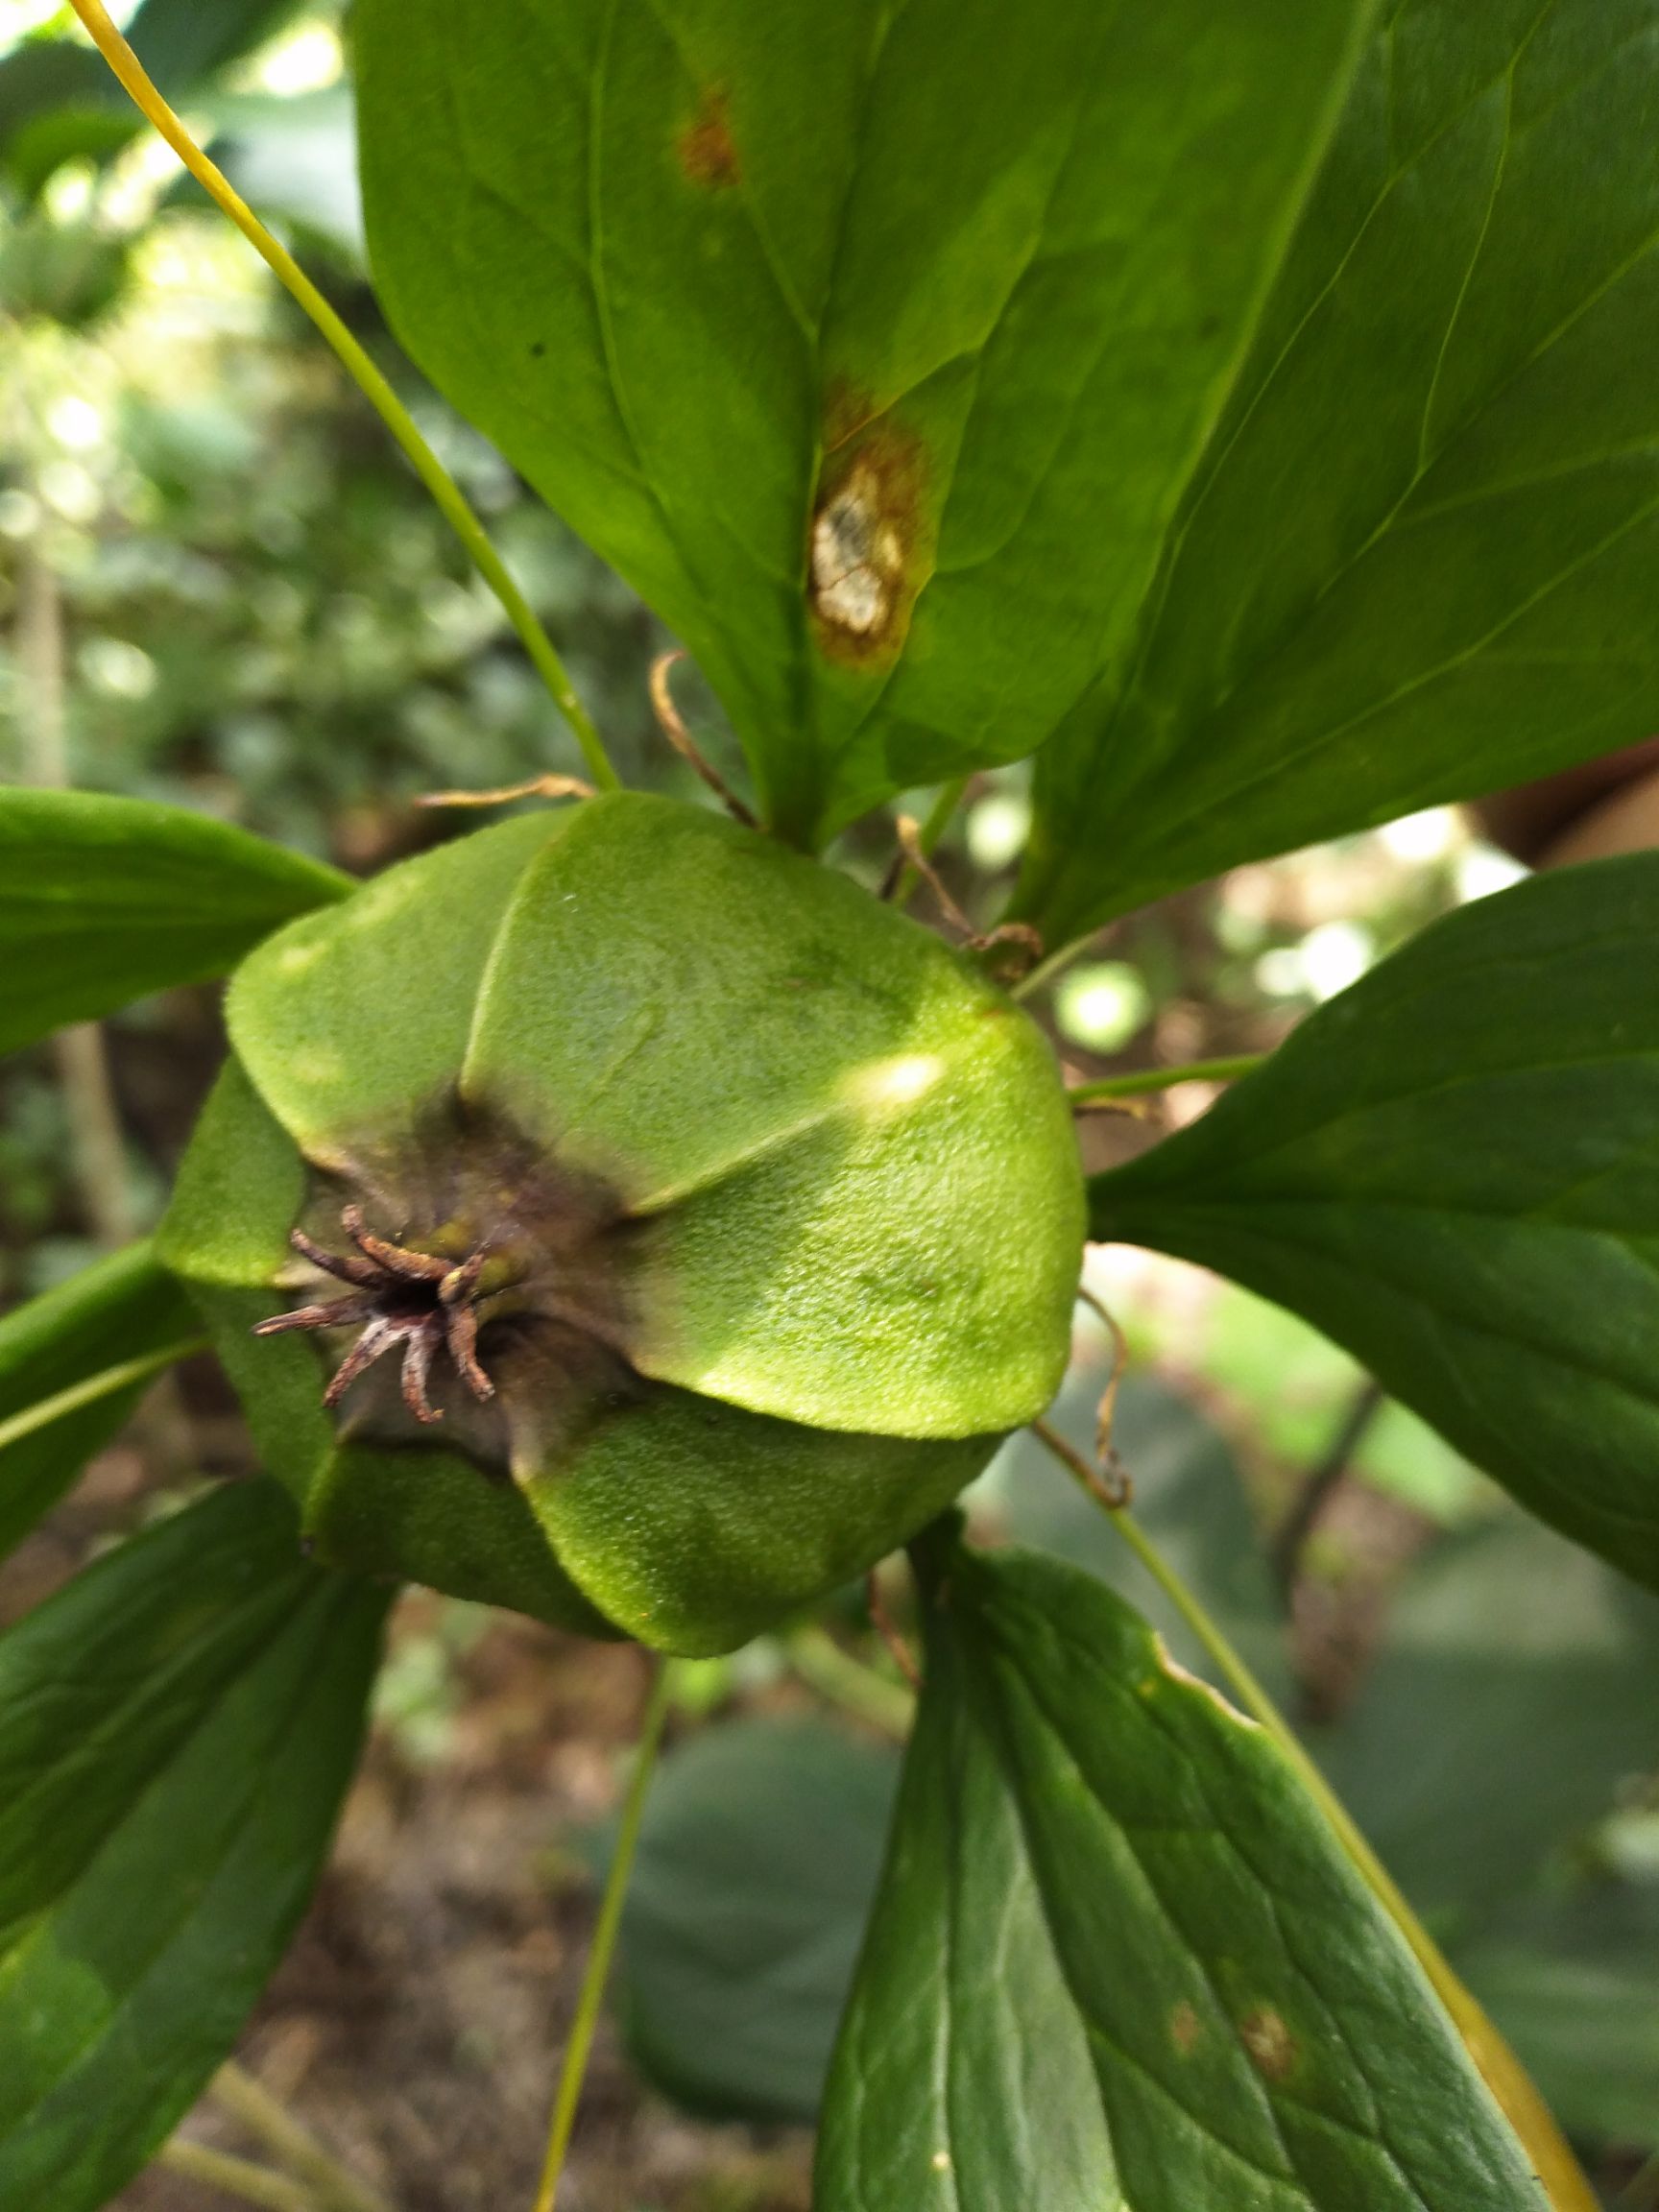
(103, 901)
(851, 1155)
(1454, 1170)
(1419, 558)
(176, 1728)
(697, 279)
(759, 1855)
(116, 1310)
(1119, 1960)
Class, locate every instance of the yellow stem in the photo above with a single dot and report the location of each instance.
(1501, 2071)
(129, 70)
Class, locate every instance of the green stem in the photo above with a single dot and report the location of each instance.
(45, 1410)
(1511, 2087)
(574, 2070)
(237, 2177)
(127, 69)
(845, 1681)
(1145, 1079)
(331, 2186)
(1046, 970)
(946, 800)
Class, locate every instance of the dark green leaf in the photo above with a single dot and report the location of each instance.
(118, 1309)
(1573, 1983)
(709, 273)
(1419, 556)
(759, 1859)
(1118, 1959)
(1451, 1169)
(103, 899)
(176, 1728)
(1512, 1695)
(57, 98)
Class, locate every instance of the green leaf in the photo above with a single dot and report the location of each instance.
(1512, 1695)
(968, 301)
(1573, 1983)
(757, 1860)
(58, 99)
(118, 1310)
(103, 899)
(1419, 558)
(176, 1728)
(1118, 1959)
(1451, 1169)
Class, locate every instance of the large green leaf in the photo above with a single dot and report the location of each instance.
(1573, 1983)
(176, 1728)
(1513, 1694)
(1118, 1959)
(103, 899)
(757, 1860)
(1420, 557)
(1454, 1169)
(121, 1309)
(967, 292)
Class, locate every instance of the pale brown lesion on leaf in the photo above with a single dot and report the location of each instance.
(865, 551)
(1185, 2027)
(706, 150)
(1269, 2043)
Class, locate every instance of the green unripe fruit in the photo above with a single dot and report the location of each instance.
(715, 1220)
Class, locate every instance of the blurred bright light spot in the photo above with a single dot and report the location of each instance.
(1102, 1006)
(117, 666)
(20, 17)
(1429, 835)
(68, 192)
(1483, 869)
(1280, 974)
(75, 421)
(997, 829)
(306, 60)
(70, 490)
(1335, 955)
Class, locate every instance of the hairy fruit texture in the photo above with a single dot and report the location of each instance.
(673, 1227)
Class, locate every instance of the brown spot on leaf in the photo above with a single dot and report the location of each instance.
(864, 553)
(707, 151)
(1183, 2028)
(1271, 2046)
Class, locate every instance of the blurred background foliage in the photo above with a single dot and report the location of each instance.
(221, 587)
